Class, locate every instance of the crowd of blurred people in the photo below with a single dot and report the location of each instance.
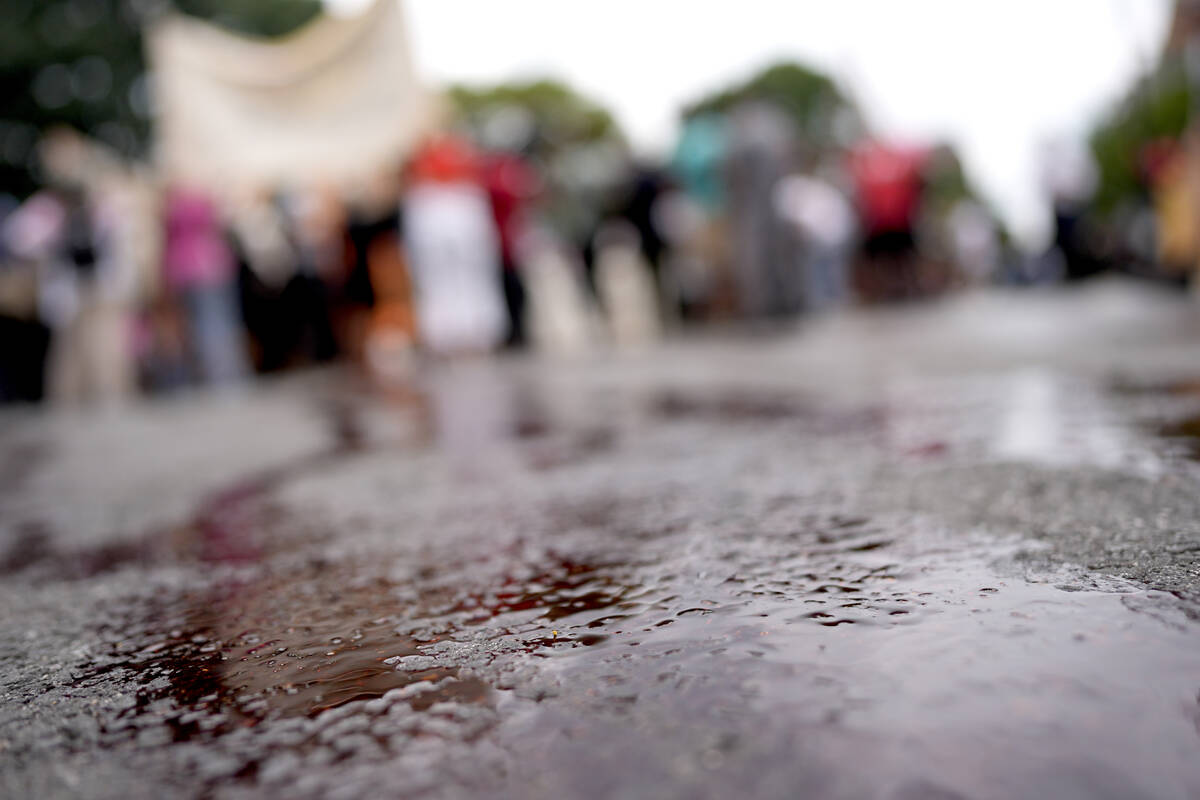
(523, 222)
(113, 283)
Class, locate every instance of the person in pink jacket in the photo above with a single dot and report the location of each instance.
(199, 266)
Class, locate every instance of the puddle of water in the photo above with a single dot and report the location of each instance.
(850, 624)
(563, 589)
(926, 664)
(1050, 421)
(297, 644)
(1167, 410)
(854, 626)
(276, 647)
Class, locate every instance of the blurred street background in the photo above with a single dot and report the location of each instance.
(530, 399)
(196, 192)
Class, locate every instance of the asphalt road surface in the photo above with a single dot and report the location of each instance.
(940, 551)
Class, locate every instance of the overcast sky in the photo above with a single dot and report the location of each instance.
(997, 77)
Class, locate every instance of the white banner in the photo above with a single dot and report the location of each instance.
(332, 103)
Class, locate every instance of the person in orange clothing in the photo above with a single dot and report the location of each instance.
(392, 329)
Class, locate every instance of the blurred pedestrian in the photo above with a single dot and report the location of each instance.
(1070, 178)
(453, 250)
(512, 184)
(626, 287)
(267, 264)
(315, 221)
(761, 140)
(888, 185)
(26, 339)
(83, 290)
(823, 219)
(200, 268)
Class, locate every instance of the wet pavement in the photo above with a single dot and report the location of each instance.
(946, 551)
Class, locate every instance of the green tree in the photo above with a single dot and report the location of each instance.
(560, 117)
(1156, 108)
(823, 113)
(574, 143)
(265, 18)
(946, 182)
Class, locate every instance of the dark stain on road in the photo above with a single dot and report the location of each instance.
(1177, 387)
(732, 407)
(764, 407)
(1184, 432)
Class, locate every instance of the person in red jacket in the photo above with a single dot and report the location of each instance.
(512, 184)
(888, 183)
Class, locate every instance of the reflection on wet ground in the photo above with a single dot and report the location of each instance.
(942, 641)
(583, 598)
